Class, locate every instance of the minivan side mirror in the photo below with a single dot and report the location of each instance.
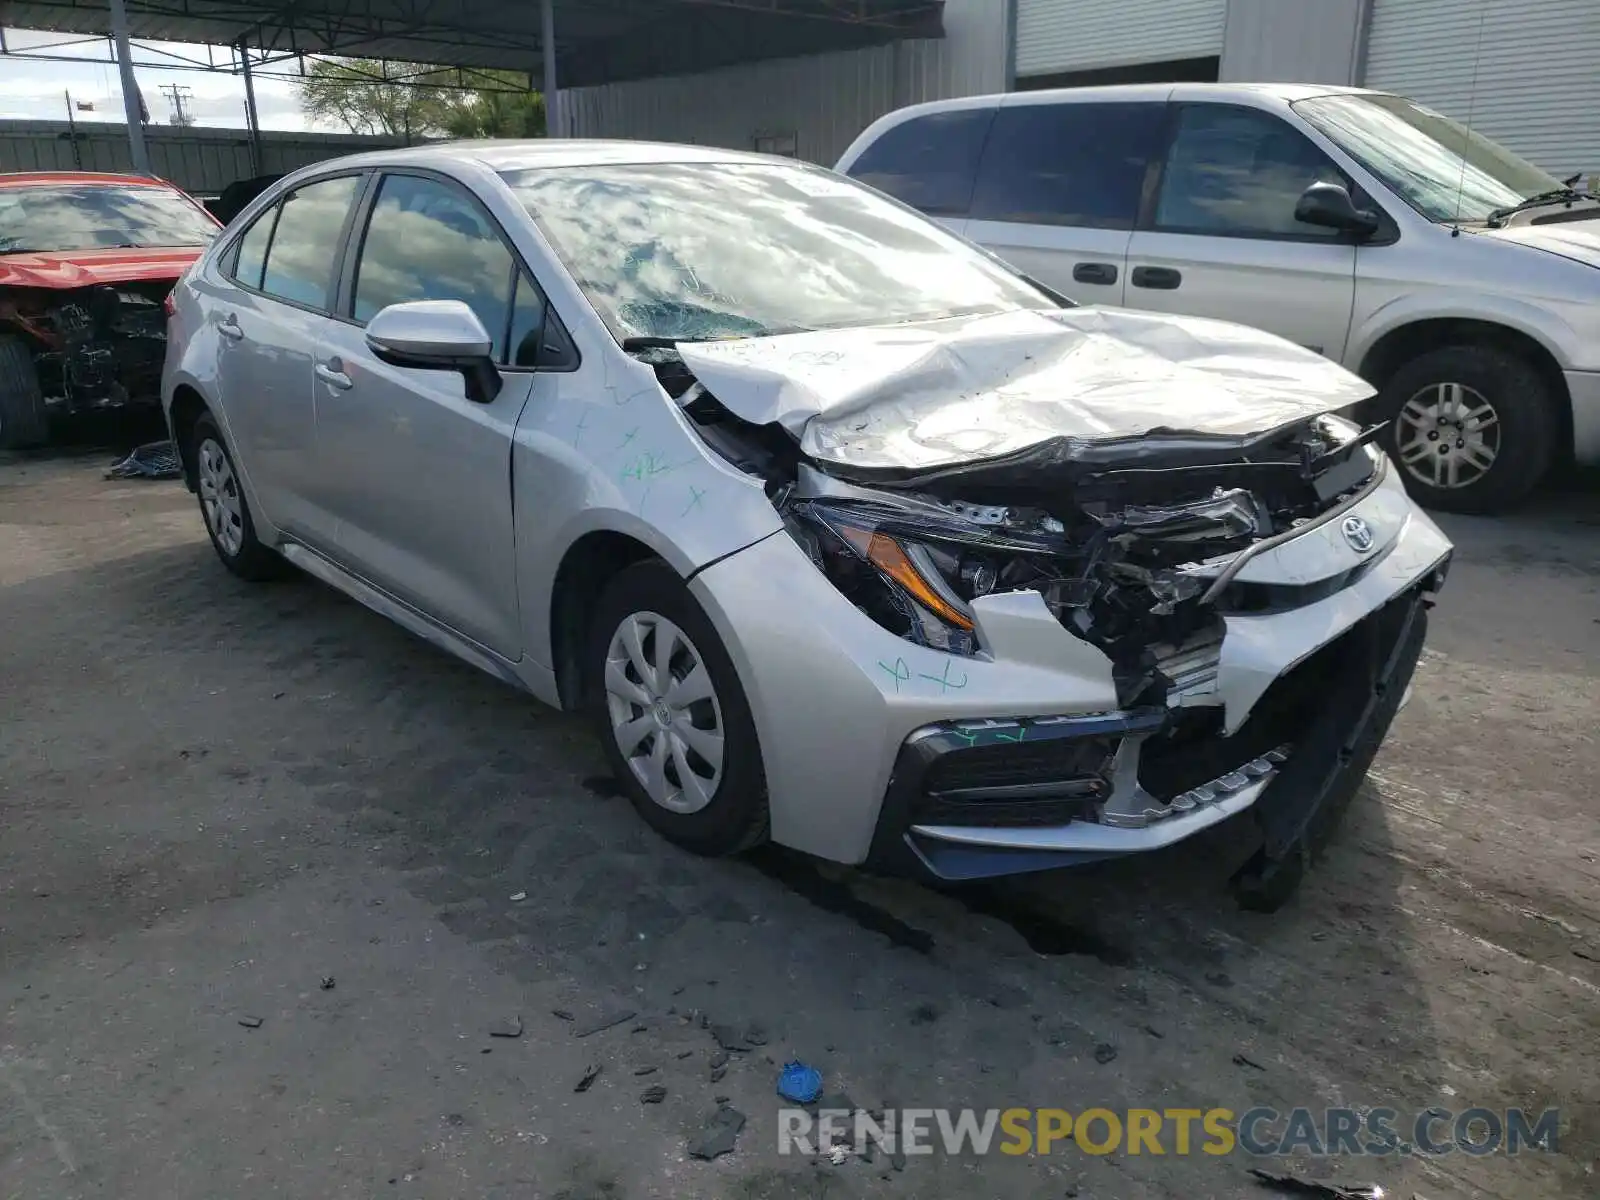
(1330, 205)
(437, 335)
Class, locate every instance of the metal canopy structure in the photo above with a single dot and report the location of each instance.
(594, 41)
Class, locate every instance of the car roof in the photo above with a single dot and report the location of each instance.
(109, 178)
(521, 153)
(1287, 92)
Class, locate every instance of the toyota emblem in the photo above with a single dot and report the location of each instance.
(1358, 533)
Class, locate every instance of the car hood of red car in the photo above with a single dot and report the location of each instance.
(84, 268)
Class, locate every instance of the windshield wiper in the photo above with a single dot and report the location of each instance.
(1565, 192)
(656, 342)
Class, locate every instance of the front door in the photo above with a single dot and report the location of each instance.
(1223, 240)
(417, 475)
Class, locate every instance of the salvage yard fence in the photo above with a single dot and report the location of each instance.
(201, 161)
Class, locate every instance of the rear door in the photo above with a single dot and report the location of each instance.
(1058, 190)
(282, 273)
(417, 475)
(929, 162)
(1220, 239)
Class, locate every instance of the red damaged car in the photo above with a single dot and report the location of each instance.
(86, 262)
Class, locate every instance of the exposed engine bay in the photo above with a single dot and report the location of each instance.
(94, 347)
(1132, 541)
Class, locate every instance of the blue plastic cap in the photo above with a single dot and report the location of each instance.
(799, 1083)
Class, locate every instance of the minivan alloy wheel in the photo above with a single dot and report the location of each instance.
(664, 712)
(1447, 435)
(219, 496)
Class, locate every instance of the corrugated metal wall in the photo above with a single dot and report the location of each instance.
(1073, 35)
(1525, 74)
(197, 160)
(823, 100)
(1292, 41)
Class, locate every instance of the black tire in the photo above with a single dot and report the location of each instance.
(23, 421)
(735, 818)
(1528, 425)
(250, 560)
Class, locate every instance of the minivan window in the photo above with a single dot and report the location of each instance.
(1236, 172)
(426, 240)
(731, 249)
(928, 162)
(302, 258)
(1067, 164)
(1438, 166)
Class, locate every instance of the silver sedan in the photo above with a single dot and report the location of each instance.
(848, 535)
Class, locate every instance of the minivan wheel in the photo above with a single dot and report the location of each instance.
(672, 716)
(226, 511)
(1472, 429)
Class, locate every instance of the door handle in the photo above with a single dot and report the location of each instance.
(330, 374)
(228, 327)
(1162, 278)
(1094, 272)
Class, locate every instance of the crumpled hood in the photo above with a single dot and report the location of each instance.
(965, 389)
(1577, 240)
(81, 268)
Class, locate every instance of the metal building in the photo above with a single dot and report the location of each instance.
(1521, 71)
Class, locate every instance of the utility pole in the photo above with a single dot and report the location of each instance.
(177, 93)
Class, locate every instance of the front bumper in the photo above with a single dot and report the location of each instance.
(853, 721)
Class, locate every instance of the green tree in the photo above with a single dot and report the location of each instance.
(373, 97)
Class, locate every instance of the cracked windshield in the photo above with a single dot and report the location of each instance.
(715, 250)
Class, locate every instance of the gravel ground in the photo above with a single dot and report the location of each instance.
(213, 796)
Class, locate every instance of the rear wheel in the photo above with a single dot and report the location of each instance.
(672, 715)
(1472, 428)
(225, 509)
(22, 416)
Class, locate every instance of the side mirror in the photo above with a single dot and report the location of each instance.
(1329, 205)
(437, 335)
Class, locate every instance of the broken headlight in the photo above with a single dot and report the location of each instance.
(916, 570)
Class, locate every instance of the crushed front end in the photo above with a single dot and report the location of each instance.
(1239, 608)
(93, 347)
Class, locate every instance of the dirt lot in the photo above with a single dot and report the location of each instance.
(213, 795)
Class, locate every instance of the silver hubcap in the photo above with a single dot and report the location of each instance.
(1447, 435)
(664, 712)
(219, 497)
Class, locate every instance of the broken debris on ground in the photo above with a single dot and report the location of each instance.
(720, 1135)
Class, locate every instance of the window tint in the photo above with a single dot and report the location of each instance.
(300, 262)
(928, 162)
(1232, 171)
(252, 249)
(1067, 164)
(427, 240)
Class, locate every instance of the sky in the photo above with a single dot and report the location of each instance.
(33, 90)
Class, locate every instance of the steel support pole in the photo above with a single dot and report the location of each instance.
(131, 107)
(552, 98)
(250, 117)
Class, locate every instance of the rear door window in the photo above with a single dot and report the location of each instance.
(251, 252)
(928, 162)
(1237, 172)
(302, 259)
(1068, 164)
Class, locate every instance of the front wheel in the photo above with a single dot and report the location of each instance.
(1473, 428)
(672, 716)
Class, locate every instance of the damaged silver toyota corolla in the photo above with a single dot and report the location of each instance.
(845, 534)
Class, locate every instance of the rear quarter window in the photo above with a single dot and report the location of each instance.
(929, 162)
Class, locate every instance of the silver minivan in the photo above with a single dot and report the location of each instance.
(1460, 280)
